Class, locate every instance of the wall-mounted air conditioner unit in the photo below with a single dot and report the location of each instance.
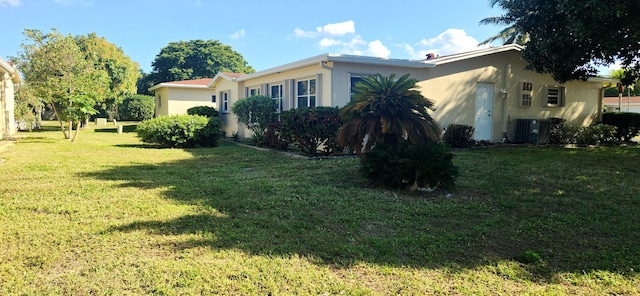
(533, 131)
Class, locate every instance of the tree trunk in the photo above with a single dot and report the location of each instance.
(75, 134)
(55, 111)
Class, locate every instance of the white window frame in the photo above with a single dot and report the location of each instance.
(554, 96)
(526, 94)
(278, 97)
(224, 101)
(308, 96)
(253, 91)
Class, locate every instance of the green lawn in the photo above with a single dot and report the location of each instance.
(108, 215)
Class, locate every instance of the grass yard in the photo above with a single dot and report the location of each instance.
(108, 216)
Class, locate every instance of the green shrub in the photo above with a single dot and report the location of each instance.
(181, 131)
(256, 112)
(588, 135)
(205, 111)
(211, 133)
(556, 126)
(272, 136)
(308, 128)
(137, 107)
(409, 166)
(628, 124)
(459, 136)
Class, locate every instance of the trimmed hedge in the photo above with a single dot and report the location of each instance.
(308, 128)
(137, 107)
(588, 135)
(628, 124)
(181, 131)
(205, 111)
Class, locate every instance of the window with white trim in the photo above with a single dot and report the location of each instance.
(224, 100)
(306, 93)
(526, 94)
(213, 98)
(554, 96)
(277, 95)
(254, 91)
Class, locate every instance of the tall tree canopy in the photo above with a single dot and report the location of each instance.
(73, 75)
(119, 72)
(196, 59)
(570, 38)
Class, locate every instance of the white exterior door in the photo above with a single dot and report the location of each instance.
(484, 103)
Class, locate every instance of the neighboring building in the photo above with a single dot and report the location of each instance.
(486, 88)
(178, 96)
(9, 79)
(624, 104)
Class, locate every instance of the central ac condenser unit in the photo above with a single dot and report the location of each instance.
(533, 131)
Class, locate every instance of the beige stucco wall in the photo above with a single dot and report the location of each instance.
(181, 99)
(287, 79)
(177, 100)
(162, 105)
(452, 87)
(7, 101)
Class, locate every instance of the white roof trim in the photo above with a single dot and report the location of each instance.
(218, 77)
(476, 53)
(339, 58)
(176, 85)
(12, 70)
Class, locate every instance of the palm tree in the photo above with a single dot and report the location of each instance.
(509, 35)
(386, 110)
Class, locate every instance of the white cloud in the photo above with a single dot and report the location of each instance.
(342, 38)
(10, 3)
(377, 49)
(327, 42)
(451, 41)
(337, 29)
(237, 35)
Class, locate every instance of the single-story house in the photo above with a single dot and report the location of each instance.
(9, 79)
(485, 88)
(177, 96)
(624, 104)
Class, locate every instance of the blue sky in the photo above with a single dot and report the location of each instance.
(266, 33)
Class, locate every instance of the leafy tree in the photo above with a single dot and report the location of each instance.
(386, 110)
(137, 107)
(28, 107)
(145, 81)
(509, 35)
(570, 38)
(256, 112)
(196, 59)
(115, 69)
(56, 70)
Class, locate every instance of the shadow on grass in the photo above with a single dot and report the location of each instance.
(264, 203)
